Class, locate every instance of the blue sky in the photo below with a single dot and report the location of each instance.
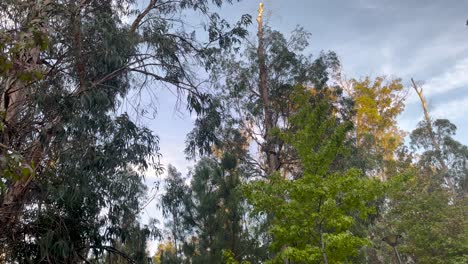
(426, 40)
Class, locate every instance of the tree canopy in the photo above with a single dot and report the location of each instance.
(293, 163)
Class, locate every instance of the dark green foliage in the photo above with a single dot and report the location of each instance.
(453, 153)
(240, 105)
(82, 160)
(432, 225)
(91, 196)
(420, 206)
(173, 204)
(204, 135)
(206, 216)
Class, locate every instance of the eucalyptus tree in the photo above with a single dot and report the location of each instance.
(445, 153)
(242, 107)
(447, 161)
(72, 165)
(430, 223)
(255, 84)
(426, 202)
(422, 207)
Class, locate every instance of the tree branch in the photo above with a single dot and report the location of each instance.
(140, 16)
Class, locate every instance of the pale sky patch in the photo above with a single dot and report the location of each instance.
(455, 77)
(456, 110)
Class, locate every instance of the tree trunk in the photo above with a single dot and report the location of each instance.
(268, 147)
(324, 253)
(14, 104)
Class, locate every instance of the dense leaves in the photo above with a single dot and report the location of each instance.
(312, 217)
(448, 162)
(205, 218)
(377, 105)
(72, 161)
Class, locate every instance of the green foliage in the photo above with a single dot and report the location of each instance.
(72, 162)
(420, 207)
(17, 47)
(314, 215)
(239, 105)
(166, 254)
(433, 225)
(453, 154)
(229, 258)
(205, 217)
(13, 168)
(214, 210)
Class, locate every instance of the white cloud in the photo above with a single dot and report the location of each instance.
(455, 110)
(435, 51)
(454, 78)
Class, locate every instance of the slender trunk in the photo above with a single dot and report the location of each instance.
(427, 119)
(77, 39)
(397, 255)
(324, 253)
(268, 147)
(13, 104)
(358, 123)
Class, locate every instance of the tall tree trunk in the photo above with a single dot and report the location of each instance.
(272, 161)
(268, 146)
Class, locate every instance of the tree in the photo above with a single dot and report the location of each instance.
(243, 107)
(71, 157)
(173, 206)
(431, 224)
(436, 148)
(447, 162)
(166, 254)
(377, 104)
(254, 87)
(313, 216)
(206, 217)
(214, 210)
(426, 202)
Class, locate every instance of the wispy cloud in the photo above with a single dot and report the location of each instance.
(431, 53)
(455, 77)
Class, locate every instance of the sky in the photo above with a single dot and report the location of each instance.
(424, 40)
